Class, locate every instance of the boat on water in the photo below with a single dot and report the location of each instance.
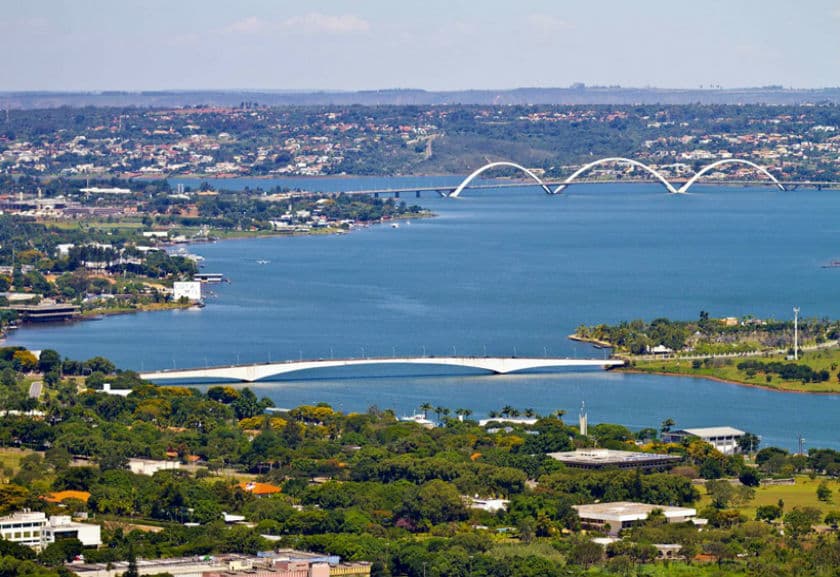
(263, 261)
(832, 264)
(395, 225)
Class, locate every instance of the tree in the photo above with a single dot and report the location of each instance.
(12, 497)
(750, 477)
(99, 364)
(721, 493)
(132, 564)
(426, 407)
(823, 492)
(586, 554)
(436, 502)
(748, 442)
(800, 522)
(832, 518)
(62, 551)
(25, 360)
(768, 513)
(49, 360)
(667, 425)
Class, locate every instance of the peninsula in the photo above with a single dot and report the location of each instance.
(747, 351)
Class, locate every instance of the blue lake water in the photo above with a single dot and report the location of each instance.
(505, 272)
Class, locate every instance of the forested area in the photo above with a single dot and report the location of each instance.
(369, 487)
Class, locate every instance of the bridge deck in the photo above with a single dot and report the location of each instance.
(255, 372)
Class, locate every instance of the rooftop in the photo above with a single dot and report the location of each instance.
(259, 488)
(608, 457)
(714, 432)
(628, 511)
(59, 496)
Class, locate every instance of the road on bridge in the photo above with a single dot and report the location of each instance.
(258, 371)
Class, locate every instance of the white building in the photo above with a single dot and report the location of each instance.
(724, 439)
(613, 517)
(64, 248)
(103, 190)
(150, 466)
(106, 388)
(191, 290)
(489, 505)
(35, 530)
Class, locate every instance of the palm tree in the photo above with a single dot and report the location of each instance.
(493, 414)
(667, 424)
(530, 412)
(426, 407)
(439, 411)
(505, 412)
(514, 412)
(559, 413)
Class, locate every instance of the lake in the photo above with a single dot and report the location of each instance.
(504, 272)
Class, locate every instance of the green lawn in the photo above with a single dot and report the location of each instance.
(802, 494)
(828, 359)
(10, 459)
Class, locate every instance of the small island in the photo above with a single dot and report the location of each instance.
(747, 351)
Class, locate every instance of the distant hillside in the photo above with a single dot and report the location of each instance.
(572, 95)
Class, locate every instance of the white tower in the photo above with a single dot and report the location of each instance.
(796, 333)
(583, 420)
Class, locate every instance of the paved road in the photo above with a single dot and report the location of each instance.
(35, 389)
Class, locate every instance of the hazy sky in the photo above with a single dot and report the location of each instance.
(431, 44)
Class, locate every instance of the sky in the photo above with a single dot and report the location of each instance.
(91, 45)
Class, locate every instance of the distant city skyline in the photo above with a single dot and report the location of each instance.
(437, 45)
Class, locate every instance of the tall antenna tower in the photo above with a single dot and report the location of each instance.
(796, 333)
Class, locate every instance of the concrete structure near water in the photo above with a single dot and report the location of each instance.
(46, 312)
(724, 439)
(190, 290)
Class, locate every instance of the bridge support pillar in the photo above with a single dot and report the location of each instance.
(375, 195)
(417, 194)
(396, 195)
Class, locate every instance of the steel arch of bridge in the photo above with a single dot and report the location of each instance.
(455, 193)
(621, 160)
(608, 160)
(709, 167)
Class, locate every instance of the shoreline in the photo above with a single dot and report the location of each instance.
(722, 381)
(603, 344)
(247, 235)
(99, 314)
(94, 314)
(639, 371)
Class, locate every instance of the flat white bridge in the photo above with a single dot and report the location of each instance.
(259, 371)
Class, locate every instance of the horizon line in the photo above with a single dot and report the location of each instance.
(580, 86)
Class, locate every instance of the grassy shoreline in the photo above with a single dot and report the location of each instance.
(142, 308)
(724, 369)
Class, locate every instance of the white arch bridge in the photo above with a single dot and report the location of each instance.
(613, 160)
(254, 372)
